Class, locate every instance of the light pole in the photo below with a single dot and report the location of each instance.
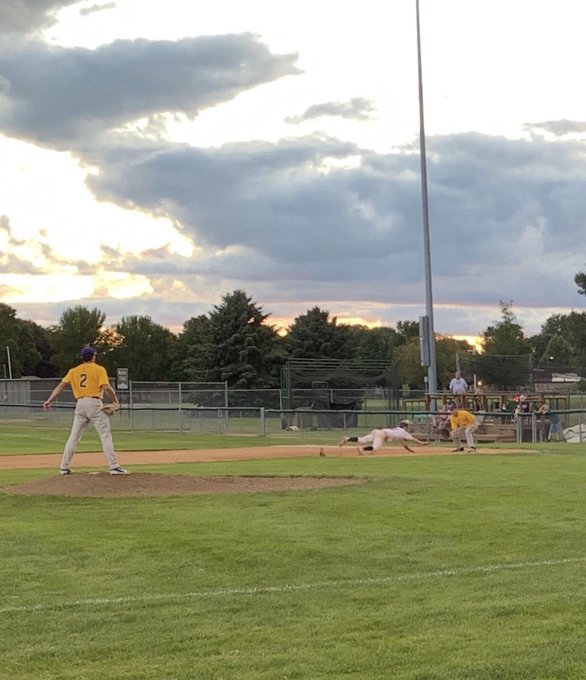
(427, 328)
(9, 362)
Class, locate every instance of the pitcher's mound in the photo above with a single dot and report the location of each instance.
(147, 484)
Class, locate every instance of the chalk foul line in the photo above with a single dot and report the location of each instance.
(293, 587)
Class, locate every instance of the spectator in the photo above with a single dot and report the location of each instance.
(555, 423)
(508, 408)
(458, 387)
(441, 420)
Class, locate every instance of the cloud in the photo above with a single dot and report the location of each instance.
(505, 214)
(66, 97)
(13, 256)
(27, 16)
(297, 222)
(357, 108)
(559, 128)
(84, 11)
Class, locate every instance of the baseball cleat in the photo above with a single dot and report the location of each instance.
(64, 471)
(119, 471)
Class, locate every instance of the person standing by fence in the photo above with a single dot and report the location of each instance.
(458, 387)
(555, 423)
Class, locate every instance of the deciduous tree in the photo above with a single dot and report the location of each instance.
(77, 326)
(18, 345)
(505, 361)
(571, 328)
(190, 360)
(145, 348)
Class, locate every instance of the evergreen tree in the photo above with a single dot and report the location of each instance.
(244, 350)
(315, 336)
(580, 280)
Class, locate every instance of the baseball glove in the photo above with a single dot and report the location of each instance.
(110, 409)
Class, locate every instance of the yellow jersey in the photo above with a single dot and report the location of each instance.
(87, 380)
(463, 419)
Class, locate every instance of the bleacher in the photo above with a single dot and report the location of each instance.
(492, 430)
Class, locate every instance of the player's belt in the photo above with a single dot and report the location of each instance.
(88, 397)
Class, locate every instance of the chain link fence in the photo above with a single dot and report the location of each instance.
(213, 408)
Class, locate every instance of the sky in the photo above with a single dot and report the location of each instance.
(156, 155)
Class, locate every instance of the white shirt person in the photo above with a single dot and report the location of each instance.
(458, 387)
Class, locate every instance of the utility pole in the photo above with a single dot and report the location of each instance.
(429, 338)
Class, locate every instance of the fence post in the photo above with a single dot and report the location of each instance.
(131, 405)
(262, 421)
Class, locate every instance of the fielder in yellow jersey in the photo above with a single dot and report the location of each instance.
(88, 382)
(463, 423)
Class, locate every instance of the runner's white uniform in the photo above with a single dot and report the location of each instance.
(377, 438)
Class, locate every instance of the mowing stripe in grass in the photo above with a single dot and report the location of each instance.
(300, 587)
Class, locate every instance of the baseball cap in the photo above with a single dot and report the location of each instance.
(87, 353)
(404, 422)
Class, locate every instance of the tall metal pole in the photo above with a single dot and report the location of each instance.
(9, 362)
(431, 369)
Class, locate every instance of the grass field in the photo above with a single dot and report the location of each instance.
(32, 440)
(440, 568)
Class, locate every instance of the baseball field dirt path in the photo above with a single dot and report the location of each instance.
(131, 458)
(97, 482)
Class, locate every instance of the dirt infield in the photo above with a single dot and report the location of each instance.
(145, 484)
(100, 483)
(131, 458)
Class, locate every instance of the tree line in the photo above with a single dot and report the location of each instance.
(236, 343)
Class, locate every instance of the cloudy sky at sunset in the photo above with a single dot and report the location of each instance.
(158, 154)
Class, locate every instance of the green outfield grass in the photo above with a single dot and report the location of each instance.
(38, 440)
(18, 440)
(35, 440)
(464, 567)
